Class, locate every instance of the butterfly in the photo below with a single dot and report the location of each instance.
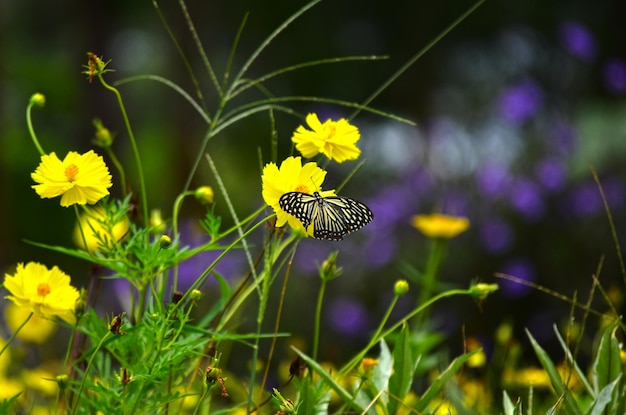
(333, 217)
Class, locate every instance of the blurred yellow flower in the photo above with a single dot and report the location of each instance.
(40, 380)
(98, 232)
(37, 330)
(438, 225)
(79, 178)
(532, 376)
(335, 139)
(46, 292)
(292, 176)
(9, 387)
(204, 194)
(479, 358)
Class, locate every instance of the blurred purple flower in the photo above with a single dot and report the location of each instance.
(615, 76)
(563, 138)
(310, 254)
(551, 174)
(497, 236)
(520, 102)
(390, 207)
(585, 200)
(380, 251)
(577, 40)
(493, 180)
(348, 317)
(522, 269)
(455, 203)
(526, 198)
(613, 192)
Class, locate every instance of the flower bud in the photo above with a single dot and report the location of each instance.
(165, 242)
(481, 290)
(401, 287)
(204, 194)
(195, 295)
(38, 100)
(103, 136)
(329, 269)
(62, 380)
(156, 221)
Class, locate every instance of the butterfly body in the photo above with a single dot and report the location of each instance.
(333, 217)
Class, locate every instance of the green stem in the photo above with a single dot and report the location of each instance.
(318, 316)
(429, 278)
(133, 142)
(80, 227)
(175, 211)
(120, 170)
(375, 339)
(31, 130)
(82, 383)
(15, 333)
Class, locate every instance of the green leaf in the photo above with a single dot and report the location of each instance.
(330, 382)
(509, 407)
(607, 366)
(561, 390)
(441, 381)
(604, 398)
(581, 375)
(403, 370)
(225, 293)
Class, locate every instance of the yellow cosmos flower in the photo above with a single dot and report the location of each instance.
(335, 139)
(79, 178)
(438, 225)
(36, 331)
(46, 292)
(292, 176)
(98, 232)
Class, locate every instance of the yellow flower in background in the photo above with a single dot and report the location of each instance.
(46, 292)
(438, 225)
(523, 378)
(78, 178)
(292, 176)
(97, 231)
(37, 330)
(9, 387)
(335, 139)
(41, 380)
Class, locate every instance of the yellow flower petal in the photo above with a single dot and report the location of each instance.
(438, 225)
(292, 176)
(79, 179)
(46, 292)
(335, 139)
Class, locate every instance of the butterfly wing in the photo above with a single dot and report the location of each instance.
(345, 215)
(299, 205)
(333, 217)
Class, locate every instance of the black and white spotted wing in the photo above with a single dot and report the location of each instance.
(333, 217)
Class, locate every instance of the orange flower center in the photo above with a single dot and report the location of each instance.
(70, 172)
(43, 289)
(302, 188)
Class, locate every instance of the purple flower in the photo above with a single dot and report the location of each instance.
(525, 197)
(497, 236)
(585, 200)
(520, 102)
(521, 269)
(348, 317)
(615, 76)
(380, 250)
(310, 254)
(455, 204)
(493, 180)
(551, 174)
(577, 40)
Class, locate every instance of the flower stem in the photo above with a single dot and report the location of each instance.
(133, 142)
(82, 383)
(437, 251)
(318, 316)
(15, 333)
(31, 130)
